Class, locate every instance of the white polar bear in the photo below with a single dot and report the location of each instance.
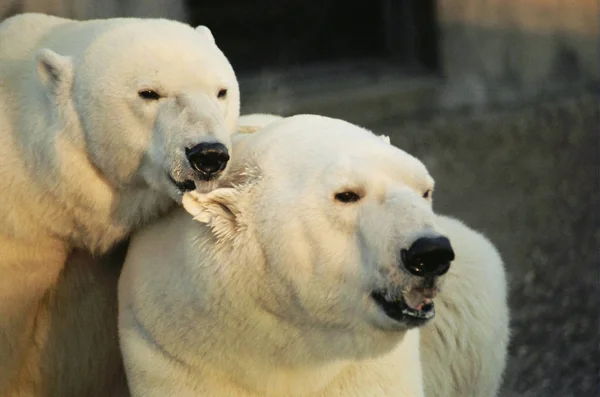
(103, 125)
(308, 274)
(464, 347)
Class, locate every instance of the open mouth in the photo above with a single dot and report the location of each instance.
(189, 185)
(397, 308)
(185, 186)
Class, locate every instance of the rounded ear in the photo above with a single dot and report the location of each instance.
(218, 209)
(384, 138)
(246, 129)
(203, 30)
(54, 71)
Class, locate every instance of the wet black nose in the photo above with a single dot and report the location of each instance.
(208, 158)
(428, 256)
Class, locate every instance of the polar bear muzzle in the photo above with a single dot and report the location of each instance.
(426, 260)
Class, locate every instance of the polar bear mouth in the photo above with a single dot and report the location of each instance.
(186, 186)
(396, 308)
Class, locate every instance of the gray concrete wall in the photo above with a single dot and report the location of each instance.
(506, 50)
(492, 53)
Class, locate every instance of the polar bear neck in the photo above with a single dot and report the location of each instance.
(292, 362)
(67, 197)
(260, 351)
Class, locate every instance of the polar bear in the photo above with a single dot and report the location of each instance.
(465, 345)
(103, 125)
(308, 273)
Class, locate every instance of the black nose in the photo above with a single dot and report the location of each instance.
(208, 158)
(428, 256)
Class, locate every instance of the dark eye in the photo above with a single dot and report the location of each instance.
(427, 194)
(149, 95)
(222, 93)
(347, 197)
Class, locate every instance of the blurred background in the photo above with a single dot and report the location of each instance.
(499, 98)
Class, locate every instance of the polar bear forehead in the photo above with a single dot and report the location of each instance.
(154, 49)
(332, 150)
(154, 36)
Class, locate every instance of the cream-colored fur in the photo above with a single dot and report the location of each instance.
(267, 290)
(464, 347)
(84, 160)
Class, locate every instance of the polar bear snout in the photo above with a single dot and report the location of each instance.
(208, 159)
(428, 256)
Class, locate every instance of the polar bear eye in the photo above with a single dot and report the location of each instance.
(427, 194)
(347, 197)
(149, 95)
(222, 93)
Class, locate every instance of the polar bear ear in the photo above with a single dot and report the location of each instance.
(384, 138)
(247, 129)
(54, 71)
(217, 209)
(203, 30)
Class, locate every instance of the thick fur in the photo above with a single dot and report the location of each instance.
(464, 347)
(267, 290)
(84, 161)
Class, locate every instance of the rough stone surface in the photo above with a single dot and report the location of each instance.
(529, 178)
(504, 50)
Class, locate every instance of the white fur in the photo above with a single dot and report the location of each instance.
(267, 291)
(83, 159)
(464, 347)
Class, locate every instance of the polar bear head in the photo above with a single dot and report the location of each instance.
(330, 229)
(153, 102)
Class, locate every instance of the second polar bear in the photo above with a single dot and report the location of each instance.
(309, 275)
(464, 347)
